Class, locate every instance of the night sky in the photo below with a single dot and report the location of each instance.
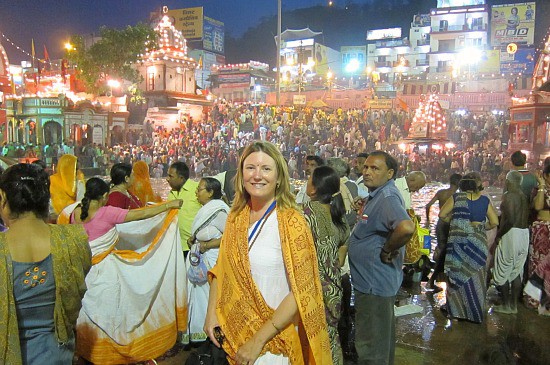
(51, 22)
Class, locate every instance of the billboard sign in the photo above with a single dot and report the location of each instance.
(452, 3)
(321, 59)
(234, 80)
(421, 20)
(354, 59)
(513, 23)
(489, 62)
(388, 33)
(213, 35)
(522, 61)
(189, 21)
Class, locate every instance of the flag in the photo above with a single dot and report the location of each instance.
(33, 54)
(46, 58)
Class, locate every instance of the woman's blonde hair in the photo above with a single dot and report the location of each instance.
(283, 196)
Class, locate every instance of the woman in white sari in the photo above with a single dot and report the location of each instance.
(207, 230)
(135, 303)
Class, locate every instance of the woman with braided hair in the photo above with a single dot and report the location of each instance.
(136, 286)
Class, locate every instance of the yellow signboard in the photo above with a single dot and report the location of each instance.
(513, 23)
(189, 21)
(380, 104)
(489, 62)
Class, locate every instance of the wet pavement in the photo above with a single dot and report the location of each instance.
(428, 337)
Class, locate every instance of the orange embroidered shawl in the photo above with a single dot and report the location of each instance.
(242, 310)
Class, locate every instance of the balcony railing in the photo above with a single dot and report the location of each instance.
(444, 68)
(422, 42)
(396, 43)
(422, 62)
(398, 63)
(458, 28)
(382, 64)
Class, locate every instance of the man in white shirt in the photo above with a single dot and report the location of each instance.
(411, 183)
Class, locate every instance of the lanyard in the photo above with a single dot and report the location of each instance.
(271, 207)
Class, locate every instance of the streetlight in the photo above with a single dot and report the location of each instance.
(69, 47)
(113, 84)
(330, 75)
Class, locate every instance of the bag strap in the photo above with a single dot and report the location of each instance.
(208, 221)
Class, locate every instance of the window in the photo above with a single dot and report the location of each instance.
(447, 45)
(443, 25)
(477, 24)
(476, 42)
(151, 81)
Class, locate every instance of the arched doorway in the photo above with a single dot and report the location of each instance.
(81, 134)
(52, 133)
(116, 135)
(30, 132)
(20, 132)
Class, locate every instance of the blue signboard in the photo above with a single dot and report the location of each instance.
(213, 35)
(522, 61)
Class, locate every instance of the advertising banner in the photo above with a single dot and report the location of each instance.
(213, 35)
(522, 61)
(321, 59)
(389, 33)
(421, 20)
(489, 62)
(380, 103)
(451, 3)
(356, 55)
(231, 79)
(189, 21)
(513, 23)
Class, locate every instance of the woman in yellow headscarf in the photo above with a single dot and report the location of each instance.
(65, 182)
(142, 184)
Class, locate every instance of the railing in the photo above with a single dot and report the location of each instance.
(444, 68)
(382, 64)
(423, 42)
(422, 62)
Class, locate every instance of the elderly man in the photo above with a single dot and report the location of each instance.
(411, 183)
(511, 252)
(376, 253)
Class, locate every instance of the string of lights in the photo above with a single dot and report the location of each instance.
(29, 54)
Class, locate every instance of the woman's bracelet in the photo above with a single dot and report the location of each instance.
(273, 324)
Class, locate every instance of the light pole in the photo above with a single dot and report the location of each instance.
(279, 6)
(113, 84)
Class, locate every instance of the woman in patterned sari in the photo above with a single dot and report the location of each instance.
(325, 215)
(467, 249)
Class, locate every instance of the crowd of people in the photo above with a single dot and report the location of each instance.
(475, 142)
(236, 259)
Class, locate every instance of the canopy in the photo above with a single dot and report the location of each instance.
(297, 34)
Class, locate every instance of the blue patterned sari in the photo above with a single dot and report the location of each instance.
(465, 264)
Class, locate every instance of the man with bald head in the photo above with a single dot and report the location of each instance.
(411, 183)
(512, 243)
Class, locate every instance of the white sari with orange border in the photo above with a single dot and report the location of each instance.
(137, 293)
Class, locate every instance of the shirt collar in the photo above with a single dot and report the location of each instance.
(373, 194)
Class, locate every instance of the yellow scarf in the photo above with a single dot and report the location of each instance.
(242, 310)
(72, 259)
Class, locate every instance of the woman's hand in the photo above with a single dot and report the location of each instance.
(174, 204)
(203, 246)
(249, 352)
(211, 322)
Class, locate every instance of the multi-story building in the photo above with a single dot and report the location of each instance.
(242, 82)
(458, 40)
(392, 58)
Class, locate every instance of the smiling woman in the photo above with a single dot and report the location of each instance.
(261, 247)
